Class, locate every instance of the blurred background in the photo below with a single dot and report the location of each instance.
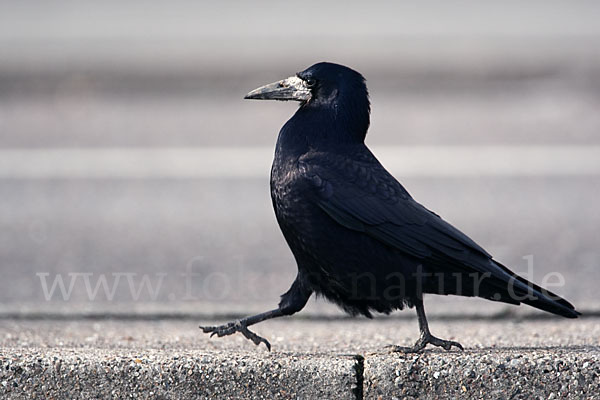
(134, 178)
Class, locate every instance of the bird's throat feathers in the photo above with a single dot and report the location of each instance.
(333, 118)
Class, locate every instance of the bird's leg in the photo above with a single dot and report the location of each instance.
(242, 325)
(292, 301)
(426, 336)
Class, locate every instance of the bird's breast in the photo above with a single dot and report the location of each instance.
(287, 191)
(296, 210)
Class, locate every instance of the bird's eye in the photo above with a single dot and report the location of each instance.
(310, 82)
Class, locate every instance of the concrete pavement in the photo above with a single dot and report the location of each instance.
(311, 358)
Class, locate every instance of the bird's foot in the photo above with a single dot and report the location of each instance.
(233, 327)
(423, 341)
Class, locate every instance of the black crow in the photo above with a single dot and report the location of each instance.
(358, 237)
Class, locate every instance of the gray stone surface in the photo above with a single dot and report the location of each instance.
(326, 358)
(93, 373)
(508, 374)
(309, 336)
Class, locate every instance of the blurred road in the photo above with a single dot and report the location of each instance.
(223, 231)
(92, 76)
(172, 74)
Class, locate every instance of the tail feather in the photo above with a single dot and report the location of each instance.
(495, 282)
(538, 297)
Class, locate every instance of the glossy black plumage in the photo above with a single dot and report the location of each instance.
(358, 237)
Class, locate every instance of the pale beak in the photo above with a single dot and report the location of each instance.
(292, 88)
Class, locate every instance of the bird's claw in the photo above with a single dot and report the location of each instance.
(423, 341)
(233, 327)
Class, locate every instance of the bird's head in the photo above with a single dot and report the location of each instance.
(334, 93)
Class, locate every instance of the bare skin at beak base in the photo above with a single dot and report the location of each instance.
(292, 88)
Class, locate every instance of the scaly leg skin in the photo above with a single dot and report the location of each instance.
(233, 327)
(426, 336)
